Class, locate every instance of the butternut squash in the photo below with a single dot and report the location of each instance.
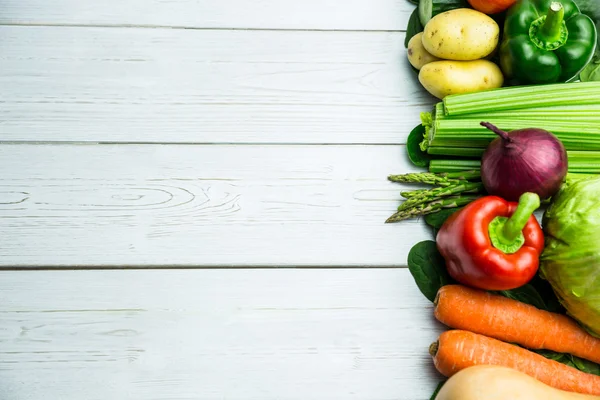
(490, 382)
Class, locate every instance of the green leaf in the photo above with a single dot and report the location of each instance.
(538, 292)
(592, 71)
(545, 290)
(415, 2)
(586, 365)
(414, 26)
(525, 294)
(428, 269)
(437, 390)
(552, 355)
(571, 361)
(437, 220)
(417, 156)
(590, 8)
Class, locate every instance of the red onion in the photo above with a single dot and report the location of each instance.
(524, 160)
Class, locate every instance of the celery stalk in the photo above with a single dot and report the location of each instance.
(580, 162)
(474, 152)
(588, 112)
(520, 97)
(467, 134)
(442, 165)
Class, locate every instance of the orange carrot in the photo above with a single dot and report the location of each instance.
(511, 321)
(456, 350)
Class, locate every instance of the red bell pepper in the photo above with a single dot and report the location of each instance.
(493, 244)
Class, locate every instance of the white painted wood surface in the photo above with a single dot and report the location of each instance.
(206, 86)
(217, 158)
(180, 205)
(244, 14)
(215, 334)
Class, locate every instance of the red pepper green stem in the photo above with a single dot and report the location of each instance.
(550, 31)
(506, 234)
(528, 203)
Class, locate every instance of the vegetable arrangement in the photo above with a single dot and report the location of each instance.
(458, 49)
(517, 129)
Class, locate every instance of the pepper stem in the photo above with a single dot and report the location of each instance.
(550, 31)
(506, 234)
(551, 28)
(528, 203)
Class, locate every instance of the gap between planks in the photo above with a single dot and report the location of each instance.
(133, 143)
(184, 27)
(185, 267)
(259, 14)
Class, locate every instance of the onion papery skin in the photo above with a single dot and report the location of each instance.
(525, 160)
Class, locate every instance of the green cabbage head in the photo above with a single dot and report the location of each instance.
(571, 257)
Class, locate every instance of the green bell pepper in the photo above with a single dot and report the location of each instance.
(546, 41)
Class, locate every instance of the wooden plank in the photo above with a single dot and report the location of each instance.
(215, 334)
(143, 205)
(196, 86)
(257, 14)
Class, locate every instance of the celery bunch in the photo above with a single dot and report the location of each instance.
(571, 111)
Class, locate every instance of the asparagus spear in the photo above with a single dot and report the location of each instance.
(438, 193)
(440, 179)
(415, 193)
(432, 207)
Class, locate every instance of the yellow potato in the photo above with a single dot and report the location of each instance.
(417, 55)
(442, 78)
(462, 34)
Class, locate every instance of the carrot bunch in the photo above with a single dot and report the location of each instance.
(485, 326)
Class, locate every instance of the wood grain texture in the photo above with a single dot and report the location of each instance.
(182, 205)
(245, 14)
(196, 86)
(215, 334)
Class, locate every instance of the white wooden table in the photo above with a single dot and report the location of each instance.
(192, 197)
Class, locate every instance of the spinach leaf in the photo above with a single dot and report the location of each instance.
(414, 26)
(436, 220)
(552, 355)
(590, 8)
(525, 294)
(592, 71)
(538, 293)
(437, 390)
(417, 156)
(571, 361)
(546, 292)
(428, 269)
(560, 357)
(586, 365)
